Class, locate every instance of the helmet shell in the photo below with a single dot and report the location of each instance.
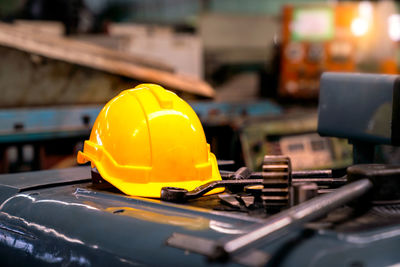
(147, 138)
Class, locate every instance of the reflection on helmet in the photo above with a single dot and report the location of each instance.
(147, 138)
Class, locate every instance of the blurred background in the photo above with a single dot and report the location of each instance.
(250, 69)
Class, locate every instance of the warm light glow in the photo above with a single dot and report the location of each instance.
(394, 27)
(365, 9)
(359, 26)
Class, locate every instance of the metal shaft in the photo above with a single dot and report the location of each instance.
(295, 174)
(322, 181)
(312, 173)
(324, 177)
(303, 174)
(305, 212)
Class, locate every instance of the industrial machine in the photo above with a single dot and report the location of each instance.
(340, 36)
(276, 217)
(293, 134)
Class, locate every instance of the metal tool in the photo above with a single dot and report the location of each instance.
(295, 216)
(235, 181)
(174, 194)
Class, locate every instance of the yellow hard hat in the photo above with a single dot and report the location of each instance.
(147, 138)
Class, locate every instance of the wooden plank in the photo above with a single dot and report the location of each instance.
(100, 58)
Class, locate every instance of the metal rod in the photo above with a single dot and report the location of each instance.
(325, 191)
(295, 216)
(312, 174)
(301, 177)
(304, 174)
(295, 174)
(322, 181)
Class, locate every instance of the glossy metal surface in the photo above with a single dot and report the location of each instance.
(297, 215)
(76, 224)
(53, 218)
(360, 107)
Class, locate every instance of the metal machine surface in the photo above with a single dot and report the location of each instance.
(59, 217)
(277, 217)
(374, 119)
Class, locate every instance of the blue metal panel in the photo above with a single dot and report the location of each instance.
(232, 110)
(35, 124)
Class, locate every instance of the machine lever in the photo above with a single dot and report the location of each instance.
(295, 216)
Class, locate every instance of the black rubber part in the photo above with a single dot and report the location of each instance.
(173, 194)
